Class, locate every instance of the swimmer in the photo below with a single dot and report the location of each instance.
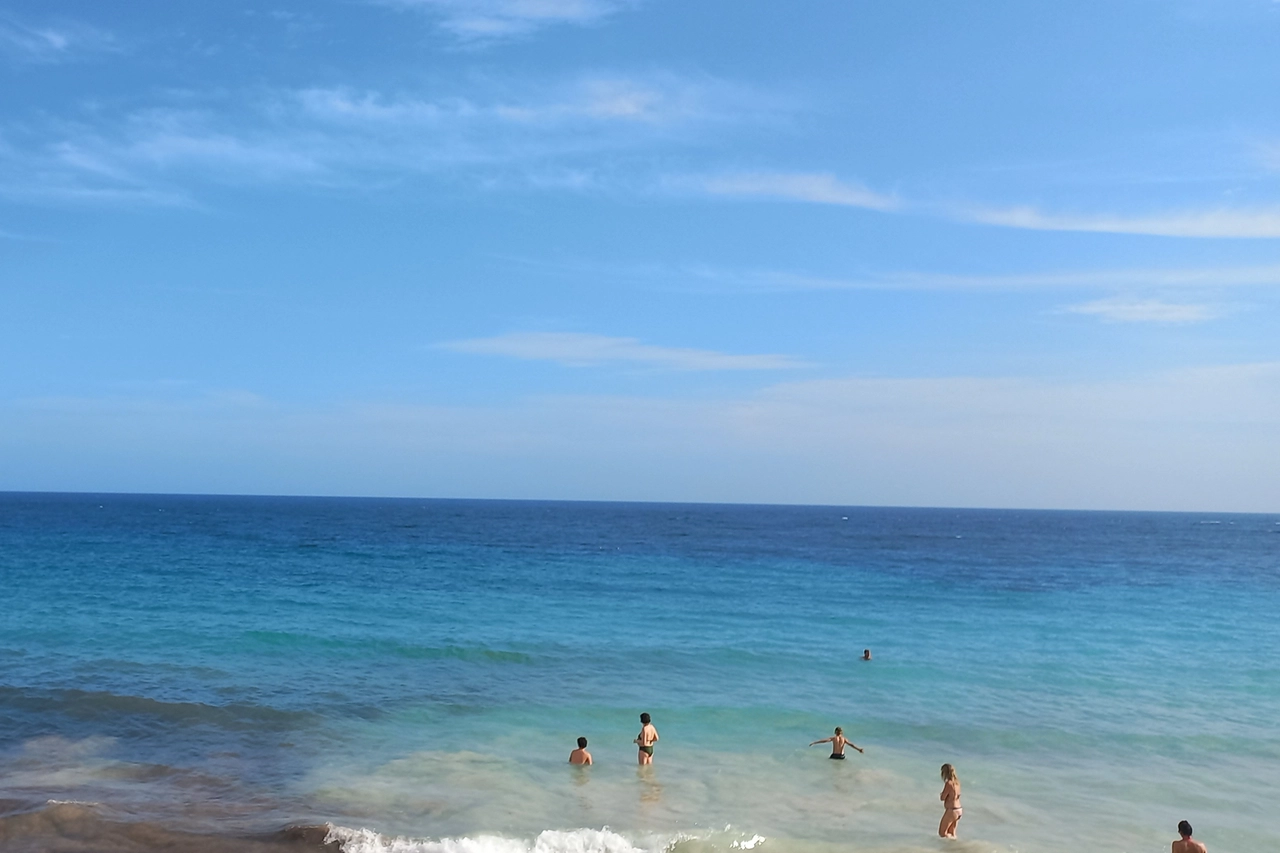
(646, 739)
(866, 654)
(838, 741)
(580, 755)
(1187, 844)
(950, 797)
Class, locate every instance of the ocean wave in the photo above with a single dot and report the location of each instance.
(548, 841)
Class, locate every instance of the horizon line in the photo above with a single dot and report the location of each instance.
(5, 493)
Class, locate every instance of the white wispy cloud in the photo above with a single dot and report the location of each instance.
(818, 188)
(580, 350)
(1262, 275)
(480, 20)
(49, 43)
(535, 131)
(828, 189)
(1222, 222)
(595, 99)
(745, 279)
(1121, 309)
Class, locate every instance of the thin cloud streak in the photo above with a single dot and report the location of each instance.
(827, 189)
(817, 188)
(738, 280)
(1255, 223)
(485, 20)
(1173, 277)
(659, 100)
(582, 350)
(47, 44)
(1126, 310)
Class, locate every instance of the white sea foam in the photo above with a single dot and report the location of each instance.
(548, 841)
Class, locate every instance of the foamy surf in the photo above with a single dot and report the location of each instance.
(548, 841)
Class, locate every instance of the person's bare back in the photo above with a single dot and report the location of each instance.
(580, 755)
(1187, 844)
(838, 742)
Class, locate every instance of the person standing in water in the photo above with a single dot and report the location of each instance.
(1187, 844)
(950, 797)
(838, 742)
(580, 755)
(646, 739)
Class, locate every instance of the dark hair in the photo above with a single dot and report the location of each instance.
(582, 743)
(645, 718)
(1184, 829)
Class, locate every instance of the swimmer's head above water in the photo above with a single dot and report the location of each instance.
(1184, 829)
(582, 743)
(644, 719)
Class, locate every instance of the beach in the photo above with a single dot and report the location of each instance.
(410, 675)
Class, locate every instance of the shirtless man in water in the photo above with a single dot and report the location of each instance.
(1187, 844)
(838, 742)
(646, 739)
(580, 755)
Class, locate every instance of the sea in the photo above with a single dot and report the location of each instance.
(236, 674)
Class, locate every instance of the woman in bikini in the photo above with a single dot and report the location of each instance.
(950, 797)
(646, 739)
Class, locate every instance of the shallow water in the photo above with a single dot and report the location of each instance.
(420, 669)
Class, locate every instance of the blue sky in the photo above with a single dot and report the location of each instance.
(962, 254)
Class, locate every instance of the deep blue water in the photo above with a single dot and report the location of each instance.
(334, 659)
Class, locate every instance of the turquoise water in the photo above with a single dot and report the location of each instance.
(420, 670)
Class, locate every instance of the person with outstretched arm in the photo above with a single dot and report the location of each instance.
(838, 742)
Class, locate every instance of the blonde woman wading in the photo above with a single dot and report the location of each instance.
(950, 797)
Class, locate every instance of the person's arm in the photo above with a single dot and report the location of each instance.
(824, 740)
(655, 736)
(855, 746)
(589, 761)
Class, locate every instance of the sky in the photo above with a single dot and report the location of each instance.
(995, 254)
